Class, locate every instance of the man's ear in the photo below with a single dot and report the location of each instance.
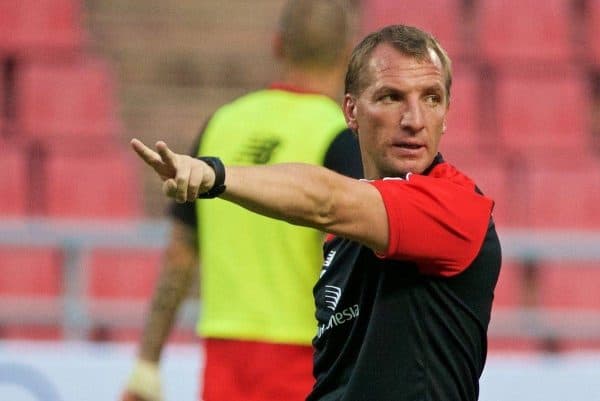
(349, 108)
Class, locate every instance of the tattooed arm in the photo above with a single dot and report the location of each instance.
(180, 266)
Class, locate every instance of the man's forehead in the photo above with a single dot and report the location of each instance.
(386, 57)
(389, 61)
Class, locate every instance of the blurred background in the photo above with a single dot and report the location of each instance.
(81, 220)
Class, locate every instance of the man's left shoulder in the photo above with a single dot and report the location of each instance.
(447, 171)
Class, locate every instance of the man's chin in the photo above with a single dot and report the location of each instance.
(414, 167)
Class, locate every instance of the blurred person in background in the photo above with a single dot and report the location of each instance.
(405, 292)
(256, 275)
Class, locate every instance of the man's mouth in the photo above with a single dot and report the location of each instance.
(408, 145)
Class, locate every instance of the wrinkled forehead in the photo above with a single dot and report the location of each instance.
(388, 61)
(387, 56)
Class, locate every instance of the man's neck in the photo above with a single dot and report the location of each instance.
(326, 82)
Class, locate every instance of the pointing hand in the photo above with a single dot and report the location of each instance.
(184, 177)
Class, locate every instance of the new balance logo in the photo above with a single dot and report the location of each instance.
(258, 150)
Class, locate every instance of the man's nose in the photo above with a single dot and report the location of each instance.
(412, 118)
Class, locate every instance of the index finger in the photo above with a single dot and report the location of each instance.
(144, 152)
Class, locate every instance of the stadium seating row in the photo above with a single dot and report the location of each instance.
(36, 274)
(54, 100)
(88, 184)
(520, 109)
(535, 195)
(31, 28)
(554, 285)
(132, 273)
(106, 185)
(500, 31)
(72, 99)
(496, 30)
(34, 278)
(13, 201)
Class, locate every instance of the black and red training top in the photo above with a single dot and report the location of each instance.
(410, 325)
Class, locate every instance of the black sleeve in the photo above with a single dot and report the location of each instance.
(186, 212)
(343, 155)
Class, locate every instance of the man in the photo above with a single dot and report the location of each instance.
(406, 288)
(257, 314)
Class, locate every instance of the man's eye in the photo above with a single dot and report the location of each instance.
(388, 98)
(433, 99)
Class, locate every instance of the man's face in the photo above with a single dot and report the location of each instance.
(400, 115)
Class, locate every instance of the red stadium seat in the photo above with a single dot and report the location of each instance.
(31, 272)
(103, 185)
(13, 181)
(462, 128)
(571, 285)
(3, 95)
(565, 198)
(31, 285)
(556, 158)
(542, 112)
(119, 286)
(593, 31)
(512, 344)
(524, 30)
(31, 332)
(509, 291)
(442, 18)
(66, 99)
(494, 182)
(510, 296)
(31, 26)
(122, 274)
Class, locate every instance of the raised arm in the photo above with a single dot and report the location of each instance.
(301, 194)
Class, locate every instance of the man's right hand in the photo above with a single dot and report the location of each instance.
(184, 177)
(144, 383)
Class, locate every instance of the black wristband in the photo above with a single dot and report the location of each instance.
(219, 185)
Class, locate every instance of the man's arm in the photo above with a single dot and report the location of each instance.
(298, 193)
(311, 196)
(180, 265)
